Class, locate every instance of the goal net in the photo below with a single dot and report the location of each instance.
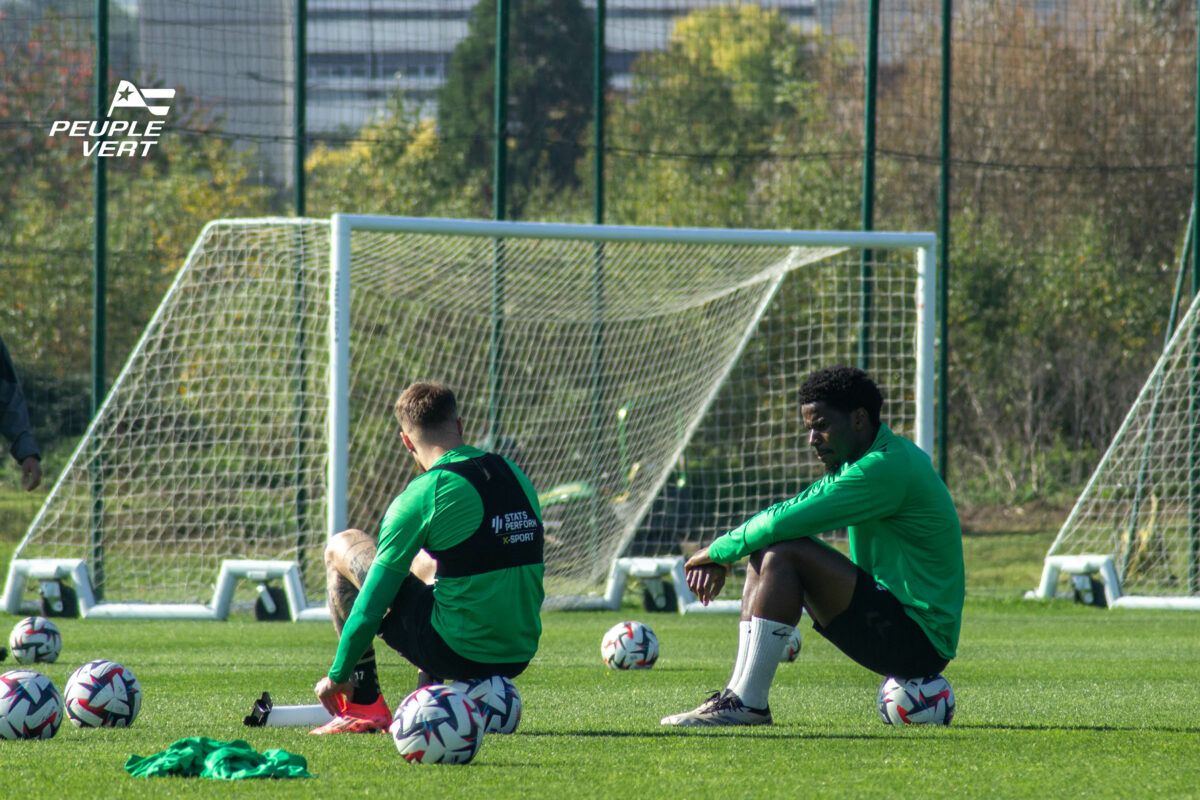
(645, 379)
(1141, 506)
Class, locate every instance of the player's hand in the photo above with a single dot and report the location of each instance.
(327, 692)
(705, 577)
(31, 473)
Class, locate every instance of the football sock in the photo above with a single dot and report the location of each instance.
(767, 640)
(366, 680)
(266, 713)
(298, 716)
(739, 664)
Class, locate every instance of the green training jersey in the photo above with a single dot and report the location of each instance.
(903, 528)
(493, 617)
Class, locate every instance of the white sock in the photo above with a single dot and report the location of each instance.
(739, 664)
(298, 716)
(767, 640)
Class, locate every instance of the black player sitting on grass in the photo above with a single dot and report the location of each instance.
(469, 529)
(894, 606)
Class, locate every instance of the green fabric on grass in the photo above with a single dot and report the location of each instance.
(199, 756)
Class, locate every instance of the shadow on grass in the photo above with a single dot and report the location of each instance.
(707, 732)
(776, 733)
(1191, 730)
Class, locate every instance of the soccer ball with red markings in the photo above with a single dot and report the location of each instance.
(30, 705)
(437, 725)
(35, 639)
(498, 700)
(919, 701)
(629, 645)
(103, 694)
(791, 650)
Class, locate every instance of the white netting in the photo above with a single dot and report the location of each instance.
(1142, 504)
(211, 445)
(648, 389)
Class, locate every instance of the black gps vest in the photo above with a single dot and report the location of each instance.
(511, 535)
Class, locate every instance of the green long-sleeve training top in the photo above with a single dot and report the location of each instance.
(902, 525)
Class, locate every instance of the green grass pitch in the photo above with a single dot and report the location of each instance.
(1054, 700)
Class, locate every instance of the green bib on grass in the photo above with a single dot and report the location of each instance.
(199, 756)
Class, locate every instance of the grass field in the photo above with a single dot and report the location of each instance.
(1054, 700)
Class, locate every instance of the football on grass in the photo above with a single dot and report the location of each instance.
(920, 701)
(629, 645)
(791, 650)
(437, 725)
(498, 700)
(30, 705)
(35, 639)
(103, 694)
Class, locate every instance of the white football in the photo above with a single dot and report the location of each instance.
(792, 649)
(103, 694)
(498, 700)
(30, 705)
(629, 645)
(920, 701)
(437, 725)
(35, 639)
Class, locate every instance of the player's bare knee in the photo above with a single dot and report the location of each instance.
(791, 551)
(773, 557)
(340, 545)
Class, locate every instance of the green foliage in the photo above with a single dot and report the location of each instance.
(738, 87)
(156, 208)
(397, 165)
(1067, 208)
(549, 91)
(1044, 373)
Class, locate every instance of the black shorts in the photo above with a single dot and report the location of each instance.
(876, 632)
(408, 629)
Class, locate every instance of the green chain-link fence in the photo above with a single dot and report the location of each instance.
(1072, 127)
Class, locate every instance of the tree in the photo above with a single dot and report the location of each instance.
(157, 207)
(1070, 194)
(395, 165)
(719, 127)
(549, 91)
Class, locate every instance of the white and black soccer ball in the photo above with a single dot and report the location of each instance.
(103, 694)
(919, 701)
(35, 639)
(498, 700)
(30, 705)
(629, 645)
(791, 650)
(437, 725)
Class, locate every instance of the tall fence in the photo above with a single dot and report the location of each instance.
(1071, 129)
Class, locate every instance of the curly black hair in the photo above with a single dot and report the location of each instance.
(844, 388)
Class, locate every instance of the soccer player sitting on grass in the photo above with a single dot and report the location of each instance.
(469, 529)
(894, 606)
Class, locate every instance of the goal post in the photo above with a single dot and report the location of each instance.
(768, 284)
(645, 379)
(1135, 528)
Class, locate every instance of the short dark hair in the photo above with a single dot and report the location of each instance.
(425, 405)
(844, 388)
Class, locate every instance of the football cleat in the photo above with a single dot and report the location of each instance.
(722, 708)
(259, 712)
(706, 705)
(357, 718)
